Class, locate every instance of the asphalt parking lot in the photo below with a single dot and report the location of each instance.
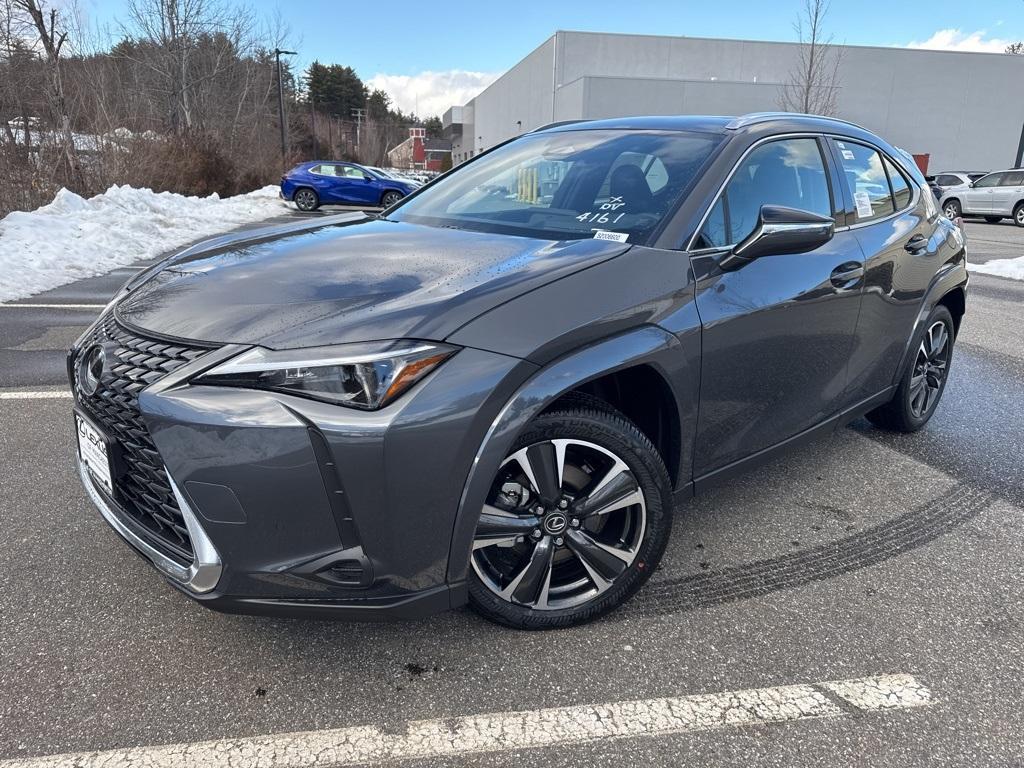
(868, 556)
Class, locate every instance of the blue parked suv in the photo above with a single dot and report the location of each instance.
(320, 182)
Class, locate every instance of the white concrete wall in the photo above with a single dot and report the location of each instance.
(524, 93)
(964, 109)
(621, 96)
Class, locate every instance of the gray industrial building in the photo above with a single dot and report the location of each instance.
(964, 110)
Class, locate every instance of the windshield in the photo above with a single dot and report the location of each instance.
(609, 184)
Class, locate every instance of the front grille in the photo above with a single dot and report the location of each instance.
(142, 489)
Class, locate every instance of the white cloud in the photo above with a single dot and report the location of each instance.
(958, 40)
(429, 94)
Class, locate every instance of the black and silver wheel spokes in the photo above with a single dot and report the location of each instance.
(929, 369)
(564, 519)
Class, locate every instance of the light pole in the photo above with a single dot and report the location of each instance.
(278, 53)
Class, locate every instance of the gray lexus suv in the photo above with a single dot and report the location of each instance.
(500, 390)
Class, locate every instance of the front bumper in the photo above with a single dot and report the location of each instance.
(296, 507)
(204, 572)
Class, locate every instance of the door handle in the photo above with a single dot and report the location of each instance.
(845, 274)
(916, 244)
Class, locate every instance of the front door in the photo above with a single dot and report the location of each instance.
(978, 199)
(359, 188)
(1008, 193)
(777, 332)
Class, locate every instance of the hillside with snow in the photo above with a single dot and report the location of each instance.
(74, 237)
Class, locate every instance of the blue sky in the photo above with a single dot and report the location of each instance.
(462, 45)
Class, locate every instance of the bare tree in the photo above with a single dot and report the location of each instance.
(813, 83)
(52, 37)
(1016, 48)
(187, 45)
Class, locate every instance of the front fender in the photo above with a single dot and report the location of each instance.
(646, 345)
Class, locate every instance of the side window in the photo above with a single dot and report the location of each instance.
(992, 180)
(900, 186)
(326, 170)
(866, 180)
(352, 172)
(1013, 179)
(945, 180)
(788, 172)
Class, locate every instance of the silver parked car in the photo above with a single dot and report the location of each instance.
(996, 196)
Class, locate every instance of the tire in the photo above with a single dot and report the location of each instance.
(578, 578)
(994, 219)
(390, 198)
(1018, 215)
(907, 412)
(952, 209)
(306, 199)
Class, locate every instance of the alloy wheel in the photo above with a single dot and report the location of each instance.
(929, 370)
(1020, 216)
(564, 519)
(952, 211)
(305, 199)
(390, 199)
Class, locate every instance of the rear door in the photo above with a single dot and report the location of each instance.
(897, 228)
(1008, 193)
(777, 332)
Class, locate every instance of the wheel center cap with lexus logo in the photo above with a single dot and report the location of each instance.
(555, 523)
(90, 369)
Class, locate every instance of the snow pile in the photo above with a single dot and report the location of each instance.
(1012, 268)
(72, 237)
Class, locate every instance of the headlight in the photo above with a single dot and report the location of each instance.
(366, 376)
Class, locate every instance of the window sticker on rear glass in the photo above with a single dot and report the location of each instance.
(863, 200)
(603, 234)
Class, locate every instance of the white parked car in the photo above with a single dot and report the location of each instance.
(997, 196)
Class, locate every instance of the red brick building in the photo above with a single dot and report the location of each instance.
(420, 153)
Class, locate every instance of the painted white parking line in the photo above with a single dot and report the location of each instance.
(97, 307)
(506, 731)
(36, 395)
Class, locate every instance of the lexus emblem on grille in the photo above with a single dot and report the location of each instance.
(90, 369)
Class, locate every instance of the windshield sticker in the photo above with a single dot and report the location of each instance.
(840, 145)
(847, 154)
(608, 213)
(863, 200)
(604, 234)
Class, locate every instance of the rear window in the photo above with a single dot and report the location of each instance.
(614, 185)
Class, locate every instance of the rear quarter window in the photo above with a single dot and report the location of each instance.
(901, 191)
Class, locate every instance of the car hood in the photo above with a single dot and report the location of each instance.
(362, 280)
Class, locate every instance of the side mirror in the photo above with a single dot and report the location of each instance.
(970, 184)
(368, 178)
(781, 230)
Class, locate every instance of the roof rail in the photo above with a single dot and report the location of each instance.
(556, 125)
(763, 117)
